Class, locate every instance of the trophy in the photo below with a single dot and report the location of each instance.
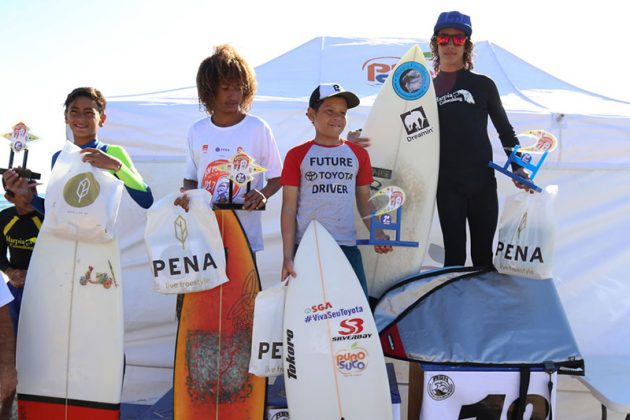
(544, 142)
(382, 217)
(19, 140)
(240, 170)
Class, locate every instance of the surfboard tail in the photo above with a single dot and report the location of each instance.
(33, 407)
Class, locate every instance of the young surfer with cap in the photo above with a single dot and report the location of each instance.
(323, 178)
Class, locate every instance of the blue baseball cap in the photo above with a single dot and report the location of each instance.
(455, 20)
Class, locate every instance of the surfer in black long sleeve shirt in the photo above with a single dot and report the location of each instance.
(20, 226)
(467, 188)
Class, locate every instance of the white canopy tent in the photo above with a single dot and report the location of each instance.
(591, 167)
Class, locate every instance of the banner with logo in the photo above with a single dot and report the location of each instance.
(185, 248)
(485, 394)
(81, 201)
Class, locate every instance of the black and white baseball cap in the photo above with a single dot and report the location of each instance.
(328, 90)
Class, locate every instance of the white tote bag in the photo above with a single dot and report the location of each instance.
(81, 201)
(185, 248)
(266, 352)
(527, 234)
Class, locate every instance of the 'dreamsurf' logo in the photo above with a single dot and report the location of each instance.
(81, 190)
(440, 387)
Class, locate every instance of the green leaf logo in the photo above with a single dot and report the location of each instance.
(81, 190)
(181, 230)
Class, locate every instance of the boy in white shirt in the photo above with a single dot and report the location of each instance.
(226, 86)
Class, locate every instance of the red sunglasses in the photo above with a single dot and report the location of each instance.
(458, 40)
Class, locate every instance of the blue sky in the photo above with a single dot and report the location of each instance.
(134, 46)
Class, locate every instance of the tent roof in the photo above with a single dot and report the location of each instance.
(357, 64)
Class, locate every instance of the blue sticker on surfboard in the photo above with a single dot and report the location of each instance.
(411, 80)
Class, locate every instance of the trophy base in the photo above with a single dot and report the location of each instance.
(515, 177)
(388, 243)
(233, 206)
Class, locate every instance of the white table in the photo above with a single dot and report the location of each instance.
(608, 379)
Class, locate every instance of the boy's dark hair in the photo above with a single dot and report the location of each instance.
(225, 65)
(87, 92)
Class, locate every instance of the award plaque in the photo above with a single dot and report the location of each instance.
(19, 141)
(240, 170)
(545, 142)
(382, 218)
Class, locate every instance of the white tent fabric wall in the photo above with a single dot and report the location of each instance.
(591, 166)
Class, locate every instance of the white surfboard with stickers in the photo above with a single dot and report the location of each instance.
(333, 361)
(403, 128)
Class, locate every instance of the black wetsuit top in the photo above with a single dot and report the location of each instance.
(19, 234)
(465, 100)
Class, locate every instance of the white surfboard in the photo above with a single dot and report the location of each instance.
(70, 343)
(333, 361)
(403, 127)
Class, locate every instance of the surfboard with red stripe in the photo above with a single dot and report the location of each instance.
(70, 356)
(214, 340)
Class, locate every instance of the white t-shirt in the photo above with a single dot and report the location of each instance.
(327, 177)
(210, 146)
(5, 293)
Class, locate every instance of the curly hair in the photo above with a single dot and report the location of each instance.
(468, 54)
(86, 92)
(225, 65)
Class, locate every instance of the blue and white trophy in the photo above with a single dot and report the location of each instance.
(545, 142)
(382, 218)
